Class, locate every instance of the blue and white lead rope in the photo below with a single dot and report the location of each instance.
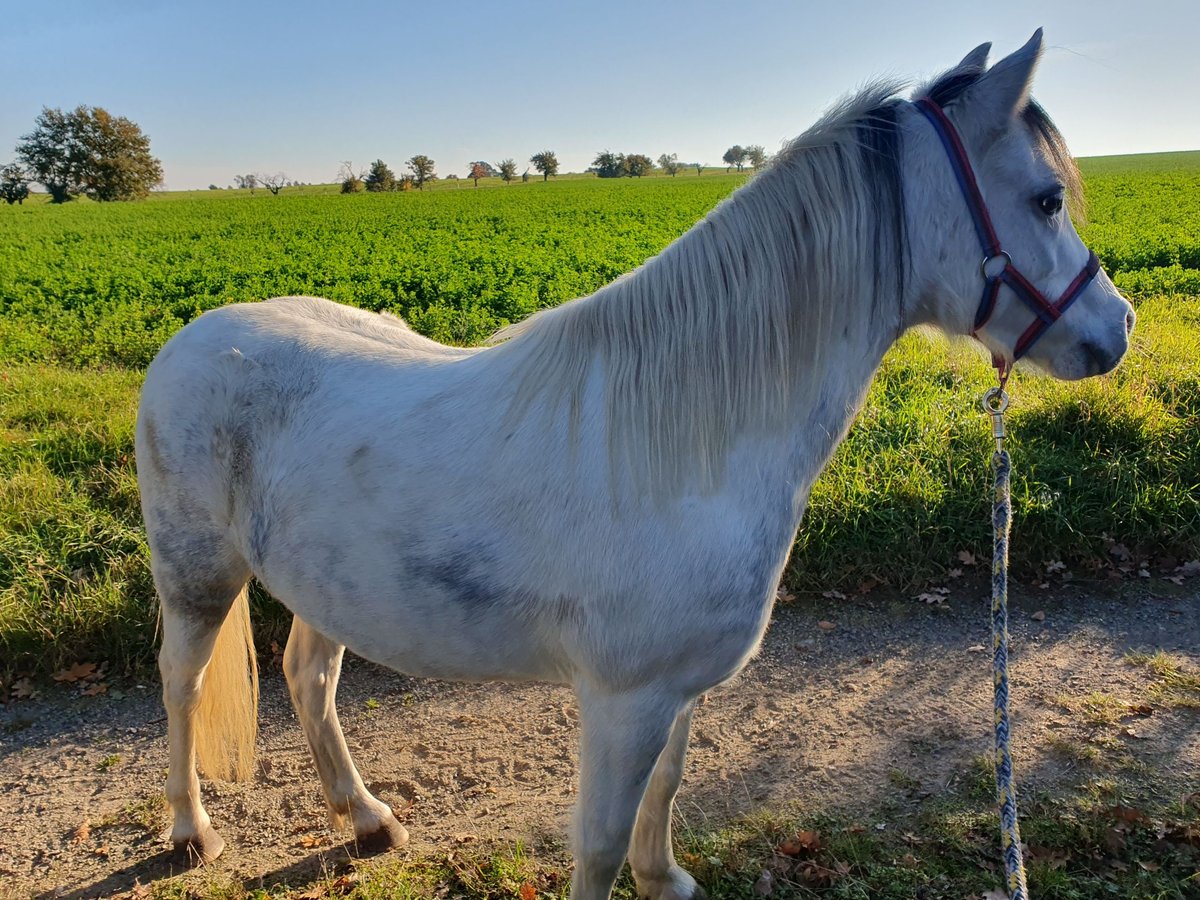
(994, 403)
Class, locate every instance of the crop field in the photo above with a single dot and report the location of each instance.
(89, 292)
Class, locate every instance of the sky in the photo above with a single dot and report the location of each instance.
(225, 87)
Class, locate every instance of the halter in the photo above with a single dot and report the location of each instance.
(1047, 313)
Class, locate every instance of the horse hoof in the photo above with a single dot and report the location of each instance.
(199, 850)
(389, 836)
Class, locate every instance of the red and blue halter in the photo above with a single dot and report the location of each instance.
(1047, 313)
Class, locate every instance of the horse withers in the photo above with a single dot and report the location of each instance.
(606, 496)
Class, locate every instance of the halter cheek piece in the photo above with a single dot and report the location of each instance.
(1047, 313)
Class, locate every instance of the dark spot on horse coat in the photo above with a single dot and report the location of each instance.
(260, 535)
(460, 576)
(154, 448)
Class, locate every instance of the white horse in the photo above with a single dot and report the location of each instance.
(605, 497)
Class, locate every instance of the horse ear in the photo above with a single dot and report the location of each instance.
(1003, 91)
(977, 58)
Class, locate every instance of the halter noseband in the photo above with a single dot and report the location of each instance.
(1047, 313)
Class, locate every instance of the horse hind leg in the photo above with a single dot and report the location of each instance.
(210, 690)
(312, 664)
(651, 856)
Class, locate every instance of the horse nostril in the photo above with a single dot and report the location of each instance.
(1099, 360)
(1130, 319)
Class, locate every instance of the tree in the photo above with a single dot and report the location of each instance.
(380, 178)
(508, 170)
(89, 151)
(422, 169)
(351, 180)
(479, 170)
(637, 165)
(757, 156)
(246, 181)
(609, 164)
(525, 175)
(699, 168)
(735, 156)
(14, 184)
(273, 183)
(546, 163)
(669, 163)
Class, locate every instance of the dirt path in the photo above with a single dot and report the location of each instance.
(832, 718)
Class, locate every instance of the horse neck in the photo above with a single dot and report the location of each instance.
(836, 318)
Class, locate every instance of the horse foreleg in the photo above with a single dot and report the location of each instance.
(623, 736)
(650, 854)
(312, 664)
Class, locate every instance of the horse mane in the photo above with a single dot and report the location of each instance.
(715, 337)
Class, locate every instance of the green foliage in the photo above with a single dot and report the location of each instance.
(380, 178)
(756, 155)
(669, 163)
(14, 184)
(608, 164)
(735, 156)
(545, 162)
(422, 168)
(637, 164)
(507, 169)
(89, 151)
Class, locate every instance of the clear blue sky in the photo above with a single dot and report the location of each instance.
(225, 87)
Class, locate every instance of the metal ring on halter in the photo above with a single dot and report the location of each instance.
(999, 254)
(994, 401)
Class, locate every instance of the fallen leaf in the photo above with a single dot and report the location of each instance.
(101, 851)
(23, 689)
(967, 558)
(139, 891)
(826, 625)
(308, 841)
(1129, 814)
(909, 861)
(1149, 866)
(1039, 616)
(81, 834)
(868, 584)
(92, 690)
(1119, 551)
(783, 595)
(954, 573)
(527, 892)
(806, 842)
(833, 595)
(1191, 567)
(1141, 709)
(976, 648)
(931, 598)
(77, 672)
(1055, 565)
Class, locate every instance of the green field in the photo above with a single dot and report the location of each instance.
(89, 292)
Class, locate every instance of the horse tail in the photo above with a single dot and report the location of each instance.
(226, 720)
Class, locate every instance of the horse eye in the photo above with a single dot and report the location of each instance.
(1051, 204)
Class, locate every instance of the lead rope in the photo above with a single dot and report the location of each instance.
(994, 403)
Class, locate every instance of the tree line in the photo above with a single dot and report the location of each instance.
(89, 152)
(85, 152)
